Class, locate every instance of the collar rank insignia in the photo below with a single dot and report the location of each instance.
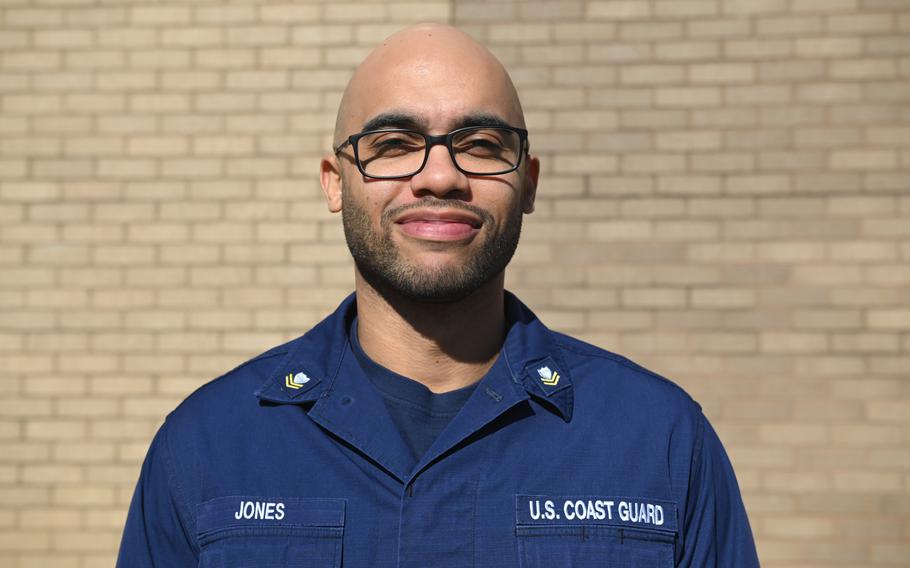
(548, 377)
(295, 381)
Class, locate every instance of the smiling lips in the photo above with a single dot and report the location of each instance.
(439, 225)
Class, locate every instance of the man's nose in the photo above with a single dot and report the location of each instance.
(439, 175)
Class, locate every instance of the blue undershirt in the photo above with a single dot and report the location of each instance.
(419, 413)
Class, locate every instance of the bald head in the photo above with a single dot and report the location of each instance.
(435, 73)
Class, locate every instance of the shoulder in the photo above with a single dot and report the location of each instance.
(234, 389)
(602, 374)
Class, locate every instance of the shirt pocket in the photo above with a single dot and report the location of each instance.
(270, 532)
(571, 532)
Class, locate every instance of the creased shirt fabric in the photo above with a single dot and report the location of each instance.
(563, 455)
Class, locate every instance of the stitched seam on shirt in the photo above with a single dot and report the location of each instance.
(183, 509)
(631, 365)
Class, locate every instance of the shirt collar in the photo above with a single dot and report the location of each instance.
(534, 359)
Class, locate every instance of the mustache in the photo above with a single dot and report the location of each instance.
(436, 203)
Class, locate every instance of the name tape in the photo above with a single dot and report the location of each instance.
(235, 511)
(631, 512)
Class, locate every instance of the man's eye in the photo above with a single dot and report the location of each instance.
(480, 145)
(395, 143)
(391, 144)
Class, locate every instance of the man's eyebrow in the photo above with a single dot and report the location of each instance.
(481, 119)
(413, 122)
(393, 120)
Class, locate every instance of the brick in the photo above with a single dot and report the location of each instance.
(794, 71)
(49, 518)
(887, 45)
(799, 26)
(62, 81)
(53, 474)
(863, 159)
(722, 162)
(793, 342)
(866, 69)
(794, 434)
(651, 74)
(584, 209)
(593, 75)
(757, 49)
(225, 14)
(866, 482)
(719, 252)
(807, 528)
(889, 135)
(860, 23)
(687, 97)
(752, 139)
(619, 10)
(890, 319)
(721, 73)
(546, 98)
(718, 28)
(621, 98)
(685, 8)
(889, 411)
(55, 430)
(84, 495)
(652, 163)
(653, 297)
(686, 230)
(587, 121)
(689, 185)
(729, 298)
(289, 13)
(651, 31)
(594, 163)
(354, 12)
(866, 251)
(829, 93)
(723, 118)
(687, 50)
(31, 61)
(32, 17)
(163, 15)
(24, 540)
(824, 6)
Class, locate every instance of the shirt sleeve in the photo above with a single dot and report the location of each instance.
(156, 533)
(717, 532)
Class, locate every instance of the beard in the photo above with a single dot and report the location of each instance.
(382, 265)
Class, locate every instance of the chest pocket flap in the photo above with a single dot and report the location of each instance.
(270, 532)
(587, 531)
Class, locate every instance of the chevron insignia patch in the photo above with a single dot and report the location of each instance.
(297, 381)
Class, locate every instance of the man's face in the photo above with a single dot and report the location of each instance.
(440, 234)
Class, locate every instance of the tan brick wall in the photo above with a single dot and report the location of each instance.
(725, 198)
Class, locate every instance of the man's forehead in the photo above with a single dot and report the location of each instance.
(434, 75)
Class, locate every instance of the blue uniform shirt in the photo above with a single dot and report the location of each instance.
(564, 455)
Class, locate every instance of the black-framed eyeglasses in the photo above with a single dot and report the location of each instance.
(475, 150)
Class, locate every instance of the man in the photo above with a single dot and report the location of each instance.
(432, 420)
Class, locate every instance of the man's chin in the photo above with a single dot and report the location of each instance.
(434, 284)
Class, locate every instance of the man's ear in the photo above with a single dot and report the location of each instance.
(529, 189)
(330, 180)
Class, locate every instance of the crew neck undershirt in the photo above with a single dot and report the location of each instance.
(419, 413)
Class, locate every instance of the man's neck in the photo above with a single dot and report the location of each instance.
(445, 346)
